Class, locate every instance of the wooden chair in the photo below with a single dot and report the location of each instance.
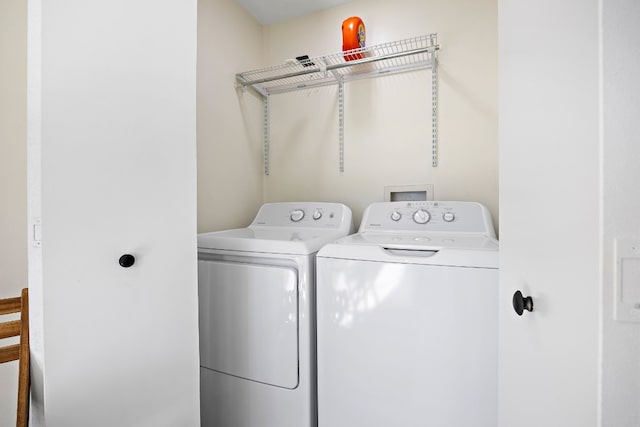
(20, 352)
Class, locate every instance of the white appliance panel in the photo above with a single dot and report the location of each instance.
(232, 401)
(417, 344)
(249, 321)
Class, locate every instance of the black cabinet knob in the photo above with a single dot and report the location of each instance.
(127, 260)
(522, 303)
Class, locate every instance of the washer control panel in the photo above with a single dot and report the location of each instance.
(431, 216)
(304, 214)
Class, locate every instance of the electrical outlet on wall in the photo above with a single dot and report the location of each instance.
(401, 193)
(627, 280)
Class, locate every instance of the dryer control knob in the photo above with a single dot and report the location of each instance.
(317, 215)
(421, 216)
(396, 216)
(448, 216)
(297, 215)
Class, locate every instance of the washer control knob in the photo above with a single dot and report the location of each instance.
(421, 216)
(317, 215)
(396, 216)
(448, 216)
(297, 215)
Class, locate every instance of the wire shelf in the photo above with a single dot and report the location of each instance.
(387, 58)
(384, 59)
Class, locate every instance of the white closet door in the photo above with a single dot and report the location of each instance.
(549, 213)
(112, 111)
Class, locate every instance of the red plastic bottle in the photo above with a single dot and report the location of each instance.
(353, 37)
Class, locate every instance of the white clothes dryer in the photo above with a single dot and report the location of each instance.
(408, 319)
(257, 315)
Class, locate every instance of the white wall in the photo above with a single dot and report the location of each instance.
(229, 122)
(13, 175)
(388, 120)
(621, 206)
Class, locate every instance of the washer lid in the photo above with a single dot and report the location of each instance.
(298, 241)
(455, 250)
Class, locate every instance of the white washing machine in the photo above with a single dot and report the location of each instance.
(257, 315)
(408, 319)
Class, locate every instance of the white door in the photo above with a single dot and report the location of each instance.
(112, 120)
(549, 212)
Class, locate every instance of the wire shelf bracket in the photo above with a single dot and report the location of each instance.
(380, 60)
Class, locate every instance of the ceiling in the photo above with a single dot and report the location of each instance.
(272, 11)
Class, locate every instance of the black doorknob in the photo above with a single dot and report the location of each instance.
(127, 260)
(522, 303)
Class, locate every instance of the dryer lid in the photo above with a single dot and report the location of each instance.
(295, 228)
(269, 240)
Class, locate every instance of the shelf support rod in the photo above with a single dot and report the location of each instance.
(340, 82)
(434, 112)
(265, 142)
(341, 123)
